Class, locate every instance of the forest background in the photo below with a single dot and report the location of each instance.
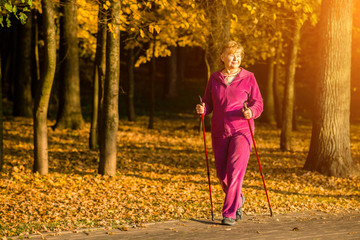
(166, 51)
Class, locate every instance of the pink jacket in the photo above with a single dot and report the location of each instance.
(227, 102)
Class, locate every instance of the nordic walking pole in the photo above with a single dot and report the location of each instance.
(257, 156)
(207, 163)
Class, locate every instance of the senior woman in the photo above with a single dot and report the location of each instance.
(226, 92)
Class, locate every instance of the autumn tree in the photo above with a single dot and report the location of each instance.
(99, 77)
(43, 89)
(69, 113)
(8, 9)
(110, 118)
(263, 27)
(259, 35)
(157, 26)
(91, 18)
(277, 83)
(152, 84)
(131, 85)
(170, 86)
(23, 100)
(330, 151)
(289, 95)
(269, 102)
(219, 13)
(299, 12)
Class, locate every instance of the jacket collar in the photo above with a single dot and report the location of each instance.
(221, 78)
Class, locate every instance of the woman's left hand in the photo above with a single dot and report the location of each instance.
(247, 113)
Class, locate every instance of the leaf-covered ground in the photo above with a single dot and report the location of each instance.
(161, 175)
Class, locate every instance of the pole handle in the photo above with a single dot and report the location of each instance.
(201, 102)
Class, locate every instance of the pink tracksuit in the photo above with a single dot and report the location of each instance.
(231, 138)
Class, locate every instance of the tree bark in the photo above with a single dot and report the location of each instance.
(93, 138)
(330, 152)
(131, 90)
(288, 104)
(23, 102)
(269, 103)
(180, 64)
(36, 62)
(171, 69)
(219, 33)
(152, 87)
(294, 121)
(44, 89)
(219, 15)
(69, 114)
(98, 84)
(110, 118)
(278, 94)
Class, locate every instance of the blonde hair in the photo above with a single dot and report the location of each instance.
(233, 46)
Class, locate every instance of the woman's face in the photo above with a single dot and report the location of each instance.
(232, 60)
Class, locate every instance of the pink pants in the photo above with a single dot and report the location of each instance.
(231, 158)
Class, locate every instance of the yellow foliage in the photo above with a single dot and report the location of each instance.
(157, 28)
(142, 34)
(234, 17)
(170, 23)
(87, 16)
(134, 7)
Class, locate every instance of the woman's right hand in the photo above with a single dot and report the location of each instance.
(200, 109)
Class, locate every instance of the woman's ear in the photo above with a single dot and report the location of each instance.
(222, 57)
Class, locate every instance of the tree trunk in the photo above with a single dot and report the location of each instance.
(330, 152)
(23, 105)
(1, 122)
(93, 139)
(36, 62)
(294, 122)
(69, 114)
(152, 88)
(269, 107)
(131, 90)
(180, 65)
(171, 81)
(102, 64)
(43, 89)
(12, 62)
(288, 104)
(110, 116)
(278, 94)
(220, 32)
(98, 84)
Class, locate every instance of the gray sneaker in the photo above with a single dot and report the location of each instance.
(239, 212)
(228, 221)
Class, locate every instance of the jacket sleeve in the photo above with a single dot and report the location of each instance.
(207, 99)
(255, 99)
